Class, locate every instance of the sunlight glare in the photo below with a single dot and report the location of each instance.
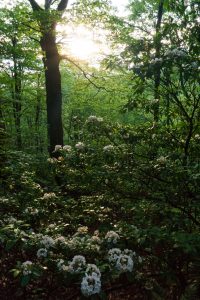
(83, 44)
(83, 49)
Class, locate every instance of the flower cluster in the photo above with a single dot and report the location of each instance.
(113, 254)
(90, 285)
(48, 196)
(52, 160)
(42, 252)
(84, 242)
(67, 148)
(60, 240)
(176, 53)
(108, 148)
(31, 211)
(94, 119)
(80, 146)
(47, 241)
(82, 230)
(61, 265)
(122, 261)
(91, 282)
(77, 264)
(155, 60)
(112, 237)
(92, 268)
(26, 267)
(197, 136)
(162, 160)
(57, 148)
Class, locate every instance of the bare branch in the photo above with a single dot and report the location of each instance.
(87, 76)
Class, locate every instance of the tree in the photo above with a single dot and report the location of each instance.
(47, 21)
(19, 65)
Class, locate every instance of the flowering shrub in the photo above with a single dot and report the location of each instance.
(124, 210)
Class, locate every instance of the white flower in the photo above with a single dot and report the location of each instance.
(48, 196)
(57, 148)
(61, 266)
(26, 267)
(112, 237)
(126, 136)
(82, 230)
(77, 264)
(67, 148)
(52, 160)
(129, 252)
(186, 2)
(113, 254)
(94, 119)
(140, 259)
(155, 101)
(95, 239)
(176, 53)
(108, 148)
(100, 119)
(47, 241)
(124, 263)
(80, 146)
(162, 160)
(197, 136)
(60, 240)
(31, 211)
(90, 285)
(42, 252)
(52, 226)
(92, 269)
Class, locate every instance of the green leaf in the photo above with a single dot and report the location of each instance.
(25, 280)
(16, 273)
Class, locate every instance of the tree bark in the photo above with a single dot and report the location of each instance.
(53, 88)
(51, 62)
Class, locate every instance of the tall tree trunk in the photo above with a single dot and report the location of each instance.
(37, 116)
(53, 88)
(51, 61)
(157, 73)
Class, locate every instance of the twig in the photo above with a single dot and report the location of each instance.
(85, 74)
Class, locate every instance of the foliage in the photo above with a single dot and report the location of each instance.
(115, 191)
(115, 212)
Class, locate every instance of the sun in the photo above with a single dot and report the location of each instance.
(84, 49)
(83, 44)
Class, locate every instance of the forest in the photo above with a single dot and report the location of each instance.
(100, 149)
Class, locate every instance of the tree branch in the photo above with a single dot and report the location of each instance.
(35, 5)
(62, 5)
(85, 74)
